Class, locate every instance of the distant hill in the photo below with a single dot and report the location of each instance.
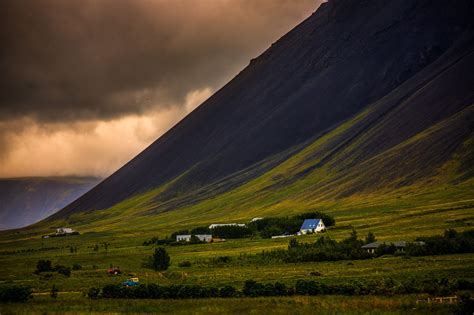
(365, 102)
(24, 201)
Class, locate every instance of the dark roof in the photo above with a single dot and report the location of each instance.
(310, 224)
(398, 244)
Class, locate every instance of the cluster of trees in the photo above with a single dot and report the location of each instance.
(251, 288)
(15, 293)
(323, 249)
(327, 249)
(47, 266)
(385, 286)
(451, 242)
(266, 228)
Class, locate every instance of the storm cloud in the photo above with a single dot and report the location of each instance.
(67, 64)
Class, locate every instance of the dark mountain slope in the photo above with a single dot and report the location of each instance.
(406, 137)
(346, 56)
(24, 201)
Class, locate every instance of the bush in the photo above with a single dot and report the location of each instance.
(43, 265)
(63, 270)
(227, 291)
(15, 293)
(54, 292)
(184, 264)
(76, 267)
(93, 293)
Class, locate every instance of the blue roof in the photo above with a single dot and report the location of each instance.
(310, 224)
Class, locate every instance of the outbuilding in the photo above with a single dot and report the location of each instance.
(212, 226)
(399, 245)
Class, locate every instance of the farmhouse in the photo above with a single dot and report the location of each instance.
(312, 226)
(64, 231)
(204, 237)
(212, 226)
(399, 245)
(187, 238)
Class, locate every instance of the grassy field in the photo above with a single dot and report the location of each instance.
(18, 260)
(75, 304)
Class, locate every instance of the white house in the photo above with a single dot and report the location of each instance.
(183, 238)
(226, 224)
(204, 237)
(255, 219)
(64, 231)
(312, 226)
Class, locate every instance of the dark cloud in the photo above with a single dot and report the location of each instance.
(94, 60)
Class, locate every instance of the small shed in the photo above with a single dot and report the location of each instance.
(399, 245)
(312, 226)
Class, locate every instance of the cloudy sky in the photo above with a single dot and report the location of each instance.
(86, 85)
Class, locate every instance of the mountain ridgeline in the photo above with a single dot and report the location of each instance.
(361, 97)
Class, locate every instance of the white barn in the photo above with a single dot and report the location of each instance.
(187, 238)
(64, 231)
(226, 224)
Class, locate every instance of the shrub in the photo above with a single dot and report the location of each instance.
(76, 267)
(43, 265)
(184, 264)
(63, 270)
(93, 293)
(113, 291)
(227, 291)
(54, 292)
(15, 293)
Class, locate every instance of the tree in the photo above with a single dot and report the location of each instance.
(370, 238)
(160, 259)
(54, 291)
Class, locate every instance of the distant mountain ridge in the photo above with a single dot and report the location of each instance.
(361, 97)
(24, 201)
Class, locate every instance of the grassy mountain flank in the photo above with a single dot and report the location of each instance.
(400, 167)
